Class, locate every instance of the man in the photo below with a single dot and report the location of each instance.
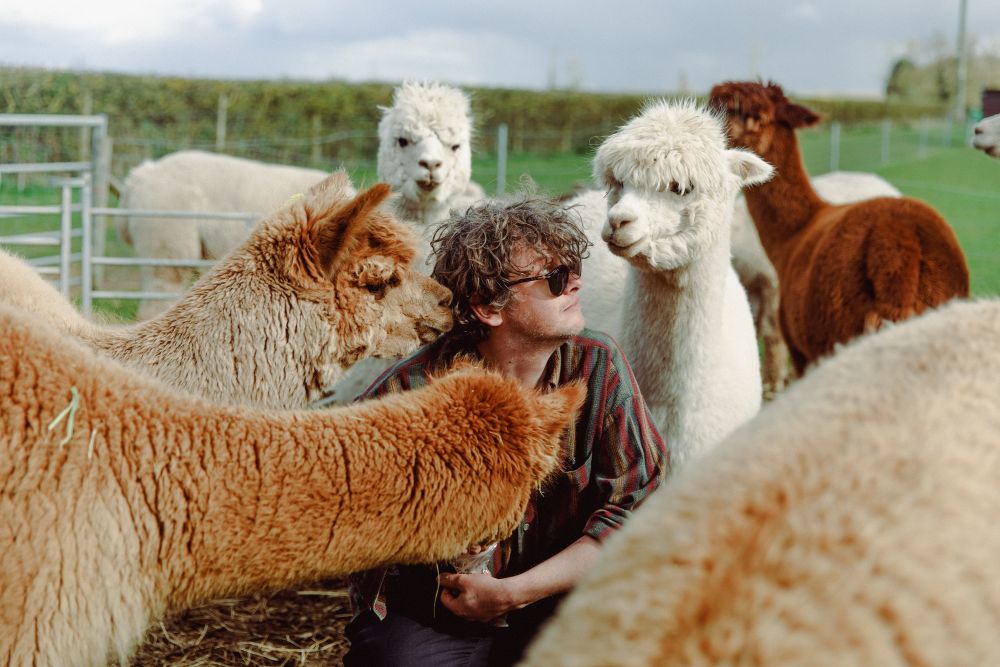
(514, 271)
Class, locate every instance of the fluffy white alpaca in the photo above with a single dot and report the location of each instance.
(425, 152)
(688, 332)
(318, 285)
(986, 136)
(853, 522)
(759, 278)
(198, 181)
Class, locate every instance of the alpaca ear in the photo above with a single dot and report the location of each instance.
(335, 230)
(796, 116)
(748, 167)
(559, 408)
(337, 185)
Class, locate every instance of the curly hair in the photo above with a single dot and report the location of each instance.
(473, 252)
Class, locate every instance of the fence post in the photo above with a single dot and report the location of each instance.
(501, 159)
(834, 145)
(220, 122)
(886, 136)
(65, 236)
(86, 254)
(88, 109)
(314, 152)
(925, 128)
(103, 147)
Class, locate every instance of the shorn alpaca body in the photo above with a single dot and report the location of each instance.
(194, 180)
(144, 501)
(853, 522)
(843, 269)
(687, 328)
(759, 278)
(320, 284)
(986, 136)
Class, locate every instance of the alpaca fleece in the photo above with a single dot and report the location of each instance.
(853, 522)
(144, 501)
(843, 269)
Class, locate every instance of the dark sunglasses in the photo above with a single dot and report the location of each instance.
(556, 278)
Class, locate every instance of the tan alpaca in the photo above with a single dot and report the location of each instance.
(852, 522)
(318, 285)
(143, 500)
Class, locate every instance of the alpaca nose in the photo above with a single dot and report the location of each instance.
(619, 221)
(430, 165)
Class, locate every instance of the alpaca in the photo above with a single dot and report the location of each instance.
(687, 332)
(425, 153)
(145, 501)
(759, 278)
(843, 269)
(852, 522)
(986, 136)
(193, 180)
(317, 286)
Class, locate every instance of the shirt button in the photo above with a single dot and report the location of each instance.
(526, 525)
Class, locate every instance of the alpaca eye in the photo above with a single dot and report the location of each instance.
(378, 290)
(675, 187)
(403, 143)
(456, 147)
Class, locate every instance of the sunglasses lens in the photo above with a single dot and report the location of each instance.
(557, 280)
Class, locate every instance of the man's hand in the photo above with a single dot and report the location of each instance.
(476, 597)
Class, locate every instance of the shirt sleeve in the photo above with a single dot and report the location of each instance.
(630, 458)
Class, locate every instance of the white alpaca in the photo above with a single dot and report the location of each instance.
(318, 285)
(199, 181)
(688, 332)
(986, 136)
(424, 153)
(145, 501)
(853, 522)
(759, 278)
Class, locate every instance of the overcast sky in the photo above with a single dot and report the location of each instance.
(811, 47)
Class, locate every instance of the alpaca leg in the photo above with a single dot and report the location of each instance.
(774, 365)
(167, 239)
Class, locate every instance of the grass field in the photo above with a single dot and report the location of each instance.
(963, 184)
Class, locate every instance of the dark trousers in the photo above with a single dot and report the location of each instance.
(400, 640)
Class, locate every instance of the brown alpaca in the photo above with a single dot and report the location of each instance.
(318, 285)
(843, 269)
(141, 500)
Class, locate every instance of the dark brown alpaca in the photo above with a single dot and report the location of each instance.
(845, 269)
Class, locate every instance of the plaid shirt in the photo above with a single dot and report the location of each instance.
(614, 457)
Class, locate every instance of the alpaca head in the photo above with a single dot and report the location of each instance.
(757, 112)
(341, 272)
(671, 184)
(986, 136)
(424, 138)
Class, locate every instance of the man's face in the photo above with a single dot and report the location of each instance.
(533, 312)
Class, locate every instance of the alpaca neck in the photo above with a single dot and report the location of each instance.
(784, 205)
(674, 324)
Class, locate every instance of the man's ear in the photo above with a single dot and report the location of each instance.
(488, 315)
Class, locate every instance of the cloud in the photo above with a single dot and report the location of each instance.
(122, 21)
